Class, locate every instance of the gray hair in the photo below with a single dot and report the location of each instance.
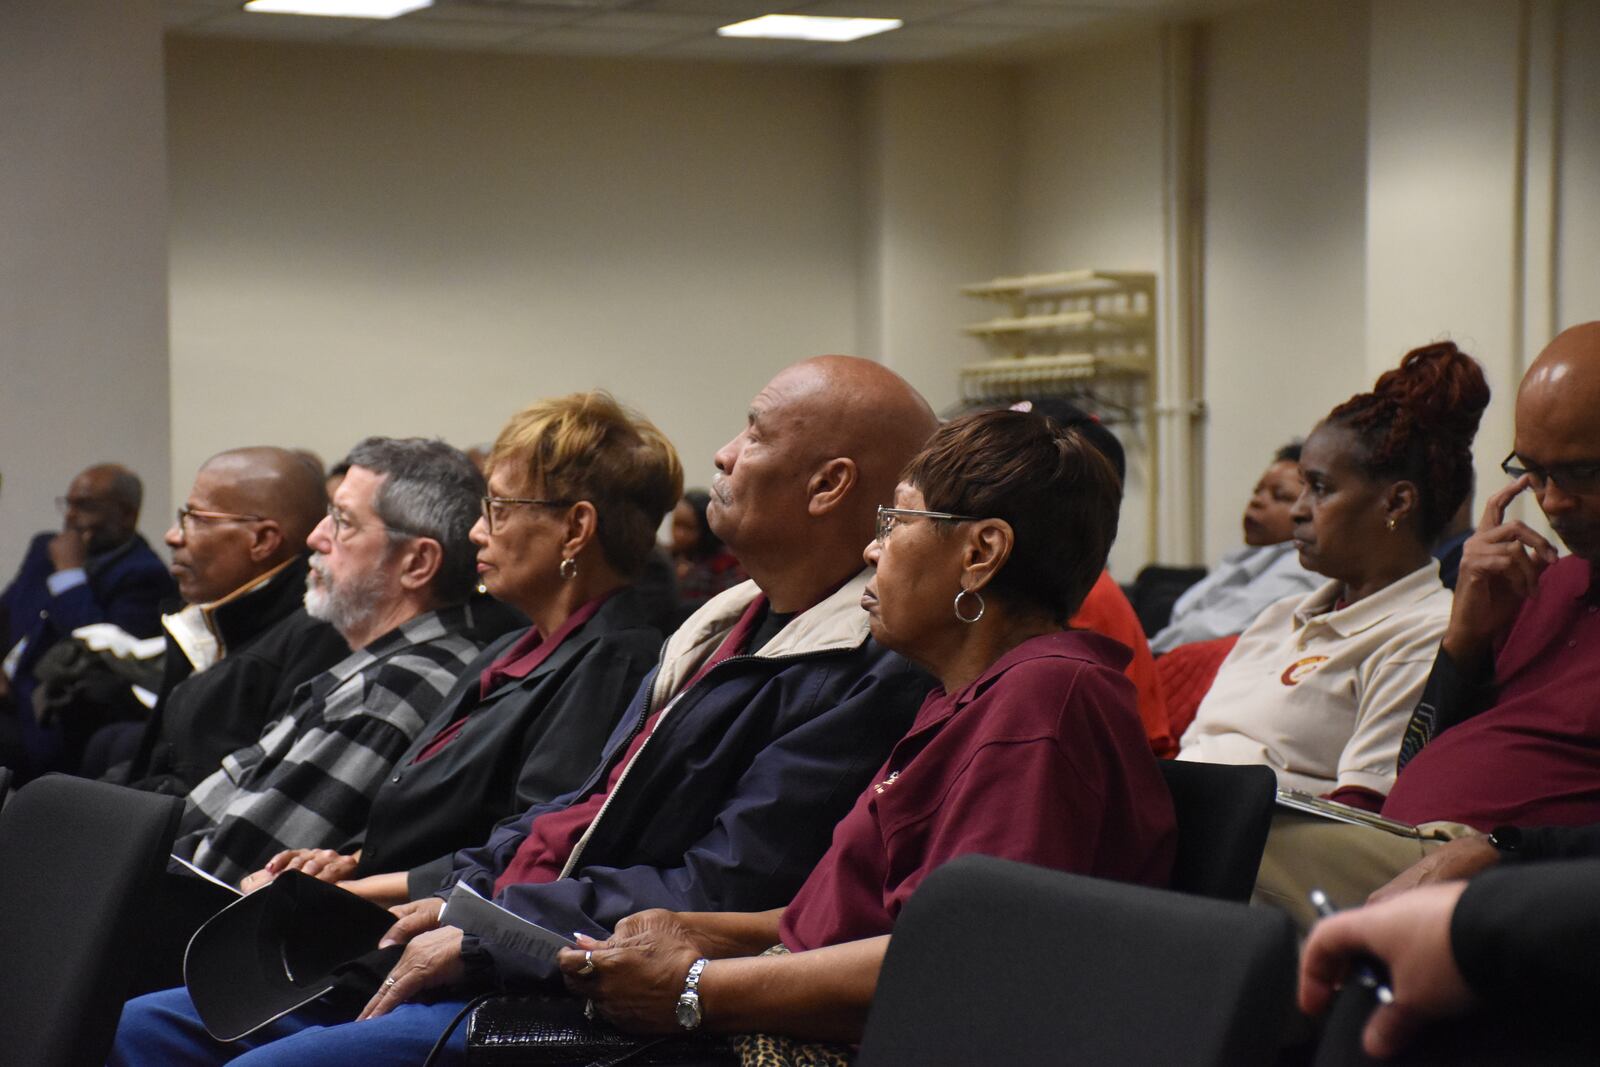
(430, 489)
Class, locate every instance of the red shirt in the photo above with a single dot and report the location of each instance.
(1041, 759)
(1106, 611)
(1533, 758)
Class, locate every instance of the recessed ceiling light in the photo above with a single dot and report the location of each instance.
(809, 28)
(350, 9)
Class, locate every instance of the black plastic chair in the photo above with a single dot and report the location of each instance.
(1156, 589)
(1224, 813)
(999, 962)
(79, 865)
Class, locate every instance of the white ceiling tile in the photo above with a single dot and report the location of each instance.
(734, 10)
(1042, 16)
(282, 27)
(522, 17)
(443, 34)
(575, 40)
(736, 49)
(910, 10)
(680, 22)
(175, 14)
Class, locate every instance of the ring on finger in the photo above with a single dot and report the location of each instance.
(588, 964)
(389, 982)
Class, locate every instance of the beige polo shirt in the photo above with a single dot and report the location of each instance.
(1322, 696)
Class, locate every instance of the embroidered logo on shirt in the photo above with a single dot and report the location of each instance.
(1296, 672)
(886, 782)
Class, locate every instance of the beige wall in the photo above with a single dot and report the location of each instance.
(405, 242)
(83, 329)
(413, 243)
(1285, 119)
(1089, 194)
(938, 146)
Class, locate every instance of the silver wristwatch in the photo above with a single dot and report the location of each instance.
(689, 1016)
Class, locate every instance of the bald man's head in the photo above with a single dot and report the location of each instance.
(102, 503)
(250, 509)
(823, 446)
(1558, 435)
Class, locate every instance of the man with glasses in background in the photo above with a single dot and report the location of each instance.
(1502, 757)
(243, 643)
(95, 569)
(391, 570)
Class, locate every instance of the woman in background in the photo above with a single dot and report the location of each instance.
(702, 563)
(1246, 580)
(1321, 688)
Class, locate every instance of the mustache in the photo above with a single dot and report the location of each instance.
(719, 487)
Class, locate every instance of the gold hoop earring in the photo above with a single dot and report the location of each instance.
(981, 605)
(569, 568)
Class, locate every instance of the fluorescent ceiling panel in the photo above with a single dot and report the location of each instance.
(349, 9)
(809, 28)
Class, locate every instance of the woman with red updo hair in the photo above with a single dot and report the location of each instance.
(1320, 688)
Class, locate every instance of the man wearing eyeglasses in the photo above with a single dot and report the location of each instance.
(392, 570)
(243, 643)
(1506, 738)
(95, 569)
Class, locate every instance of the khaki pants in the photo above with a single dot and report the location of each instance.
(1346, 862)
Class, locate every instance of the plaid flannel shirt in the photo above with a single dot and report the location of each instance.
(309, 780)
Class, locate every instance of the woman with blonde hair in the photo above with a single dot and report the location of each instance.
(577, 488)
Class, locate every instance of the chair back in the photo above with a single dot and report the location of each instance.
(999, 962)
(1224, 813)
(80, 863)
(5, 786)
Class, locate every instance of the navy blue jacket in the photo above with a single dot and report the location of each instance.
(734, 798)
(125, 587)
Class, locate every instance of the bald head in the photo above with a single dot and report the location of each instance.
(102, 503)
(274, 483)
(797, 489)
(1557, 433)
(862, 410)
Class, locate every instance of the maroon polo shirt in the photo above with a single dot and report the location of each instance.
(1533, 757)
(1042, 759)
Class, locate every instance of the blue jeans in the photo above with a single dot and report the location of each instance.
(163, 1030)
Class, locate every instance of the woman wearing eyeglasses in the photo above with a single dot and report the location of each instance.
(1320, 688)
(1031, 748)
(577, 487)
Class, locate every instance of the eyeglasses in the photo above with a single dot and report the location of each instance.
(186, 513)
(1577, 478)
(495, 507)
(344, 527)
(889, 518)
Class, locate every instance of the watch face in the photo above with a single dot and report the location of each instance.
(689, 1011)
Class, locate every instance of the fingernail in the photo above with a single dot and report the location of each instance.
(386, 942)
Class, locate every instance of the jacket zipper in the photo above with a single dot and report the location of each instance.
(644, 717)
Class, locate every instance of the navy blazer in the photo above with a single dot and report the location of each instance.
(125, 587)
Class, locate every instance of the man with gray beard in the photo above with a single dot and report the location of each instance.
(391, 570)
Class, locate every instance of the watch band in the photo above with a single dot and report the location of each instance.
(689, 1012)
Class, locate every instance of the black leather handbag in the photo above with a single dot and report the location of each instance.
(553, 1030)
